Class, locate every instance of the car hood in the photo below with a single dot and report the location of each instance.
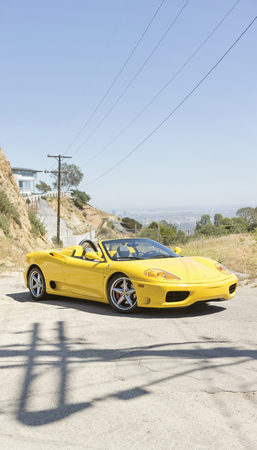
(185, 268)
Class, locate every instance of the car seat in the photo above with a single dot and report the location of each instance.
(78, 252)
(123, 252)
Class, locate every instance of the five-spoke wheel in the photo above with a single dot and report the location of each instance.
(121, 294)
(36, 283)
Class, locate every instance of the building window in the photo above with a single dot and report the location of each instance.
(24, 184)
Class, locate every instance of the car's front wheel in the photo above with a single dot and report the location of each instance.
(36, 282)
(121, 294)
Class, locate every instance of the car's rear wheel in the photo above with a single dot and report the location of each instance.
(121, 294)
(37, 285)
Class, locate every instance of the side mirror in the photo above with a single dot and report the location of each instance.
(93, 256)
(177, 250)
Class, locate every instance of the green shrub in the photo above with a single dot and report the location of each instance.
(84, 214)
(129, 224)
(4, 225)
(37, 227)
(7, 208)
(104, 232)
(80, 198)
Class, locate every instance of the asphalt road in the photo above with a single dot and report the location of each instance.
(78, 375)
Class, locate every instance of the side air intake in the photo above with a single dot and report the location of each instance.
(176, 296)
(232, 288)
(52, 284)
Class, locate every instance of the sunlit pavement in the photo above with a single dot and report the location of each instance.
(79, 375)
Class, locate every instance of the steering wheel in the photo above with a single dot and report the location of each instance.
(150, 253)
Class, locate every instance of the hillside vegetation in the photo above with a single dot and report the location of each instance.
(82, 219)
(17, 234)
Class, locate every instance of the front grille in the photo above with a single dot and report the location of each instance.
(176, 296)
(232, 288)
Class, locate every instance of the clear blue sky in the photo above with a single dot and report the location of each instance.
(59, 58)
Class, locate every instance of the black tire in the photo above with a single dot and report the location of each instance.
(36, 283)
(121, 294)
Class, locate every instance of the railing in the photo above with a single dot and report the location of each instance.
(36, 197)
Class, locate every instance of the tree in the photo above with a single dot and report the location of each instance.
(43, 187)
(208, 230)
(153, 225)
(205, 219)
(249, 214)
(68, 180)
(217, 220)
(129, 224)
(166, 228)
(167, 231)
(227, 223)
(168, 225)
(240, 225)
(80, 198)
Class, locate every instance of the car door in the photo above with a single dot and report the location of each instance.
(84, 277)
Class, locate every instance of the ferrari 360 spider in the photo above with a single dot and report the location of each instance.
(127, 273)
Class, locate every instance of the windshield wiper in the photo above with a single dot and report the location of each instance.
(159, 256)
(127, 258)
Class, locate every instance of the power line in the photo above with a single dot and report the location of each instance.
(95, 71)
(177, 107)
(166, 85)
(125, 90)
(92, 77)
(119, 73)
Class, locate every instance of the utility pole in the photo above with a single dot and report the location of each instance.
(59, 158)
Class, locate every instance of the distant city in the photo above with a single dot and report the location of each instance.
(185, 219)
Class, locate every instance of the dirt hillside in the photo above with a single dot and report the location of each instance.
(82, 220)
(20, 241)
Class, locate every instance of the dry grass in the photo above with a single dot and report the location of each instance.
(237, 251)
(13, 251)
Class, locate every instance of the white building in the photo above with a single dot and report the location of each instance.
(25, 179)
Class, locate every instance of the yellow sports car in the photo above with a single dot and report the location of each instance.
(127, 273)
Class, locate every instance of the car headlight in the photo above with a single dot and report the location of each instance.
(160, 274)
(222, 269)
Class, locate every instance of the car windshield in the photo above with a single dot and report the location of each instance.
(133, 249)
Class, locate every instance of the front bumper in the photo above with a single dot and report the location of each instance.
(150, 295)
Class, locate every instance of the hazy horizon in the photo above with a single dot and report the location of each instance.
(184, 218)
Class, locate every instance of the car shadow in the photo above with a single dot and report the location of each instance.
(91, 307)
